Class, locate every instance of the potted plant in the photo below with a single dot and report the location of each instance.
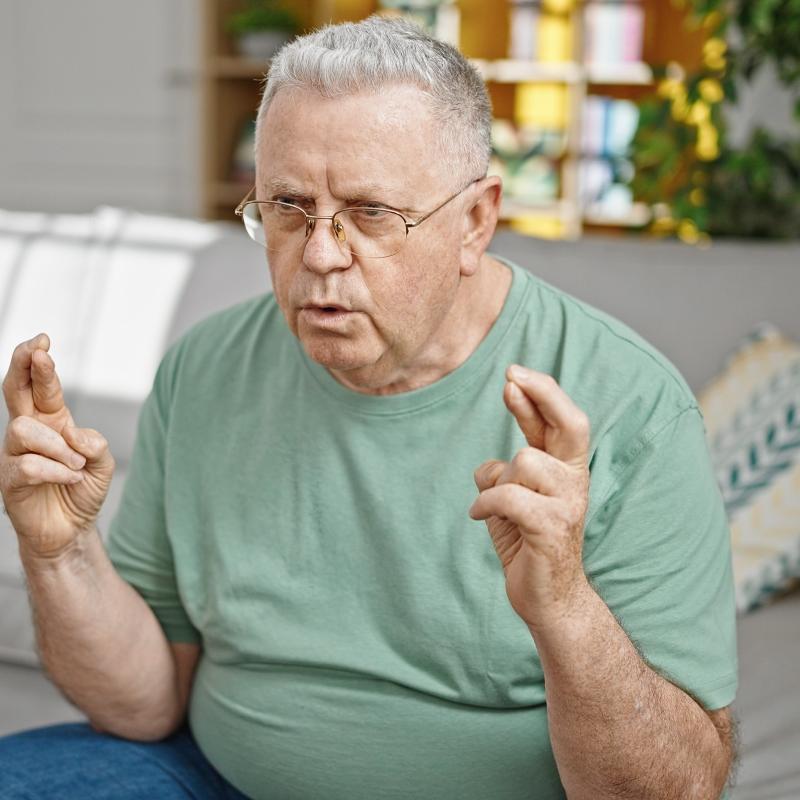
(262, 28)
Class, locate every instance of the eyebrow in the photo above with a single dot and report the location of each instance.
(365, 191)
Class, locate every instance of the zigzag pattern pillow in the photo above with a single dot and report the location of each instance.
(752, 417)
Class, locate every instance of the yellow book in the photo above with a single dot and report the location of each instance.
(541, 227)
(555, 38)
(543, 105)
(558, 6)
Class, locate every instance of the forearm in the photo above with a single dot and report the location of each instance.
(619, 729)
(100, 642)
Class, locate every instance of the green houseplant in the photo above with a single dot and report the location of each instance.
(697, 182)
(262, 27)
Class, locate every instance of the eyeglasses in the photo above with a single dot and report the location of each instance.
(366, 231)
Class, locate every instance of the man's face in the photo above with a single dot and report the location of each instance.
(372, 149)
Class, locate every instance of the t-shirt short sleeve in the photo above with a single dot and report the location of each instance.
(657, 551)
(137, 543)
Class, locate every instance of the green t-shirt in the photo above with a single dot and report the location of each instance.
(357, 637)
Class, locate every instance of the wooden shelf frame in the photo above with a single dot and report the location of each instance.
(231, 87)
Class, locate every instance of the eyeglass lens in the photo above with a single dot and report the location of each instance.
(368, 232)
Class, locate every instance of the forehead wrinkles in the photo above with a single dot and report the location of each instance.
(387, 145)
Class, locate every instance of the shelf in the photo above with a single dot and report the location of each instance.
(638, 215)
(631, 74)
(512, 71)
(515, 71)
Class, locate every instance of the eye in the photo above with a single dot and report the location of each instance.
(373, 212)
(295, 201)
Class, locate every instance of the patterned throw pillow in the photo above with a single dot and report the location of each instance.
(752, 416)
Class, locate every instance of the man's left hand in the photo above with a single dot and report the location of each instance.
(535, 505)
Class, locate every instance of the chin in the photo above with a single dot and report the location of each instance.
(335, 352)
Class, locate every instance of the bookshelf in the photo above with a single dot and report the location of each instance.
(231, 86)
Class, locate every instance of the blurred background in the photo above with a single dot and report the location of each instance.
(670, 118)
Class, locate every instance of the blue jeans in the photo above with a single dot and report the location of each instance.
(72, 761)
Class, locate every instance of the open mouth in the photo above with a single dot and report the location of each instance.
(327, 314)
(327, 309)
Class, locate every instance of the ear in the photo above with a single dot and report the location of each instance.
(480, 221)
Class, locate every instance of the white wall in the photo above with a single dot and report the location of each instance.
(99, 104)
(764, 102)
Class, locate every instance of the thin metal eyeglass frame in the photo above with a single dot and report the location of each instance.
(312, 218)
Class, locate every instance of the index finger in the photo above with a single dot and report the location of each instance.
(566, 436)
(31, 383)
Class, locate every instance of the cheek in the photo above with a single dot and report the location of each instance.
(396, 297)
(413, 299)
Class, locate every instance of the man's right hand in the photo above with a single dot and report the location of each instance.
(54, 476)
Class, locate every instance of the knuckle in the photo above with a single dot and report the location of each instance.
(526, 458)
(95, 440)
(582, 423)
(28, 466)
(18, 433)
(17, 427)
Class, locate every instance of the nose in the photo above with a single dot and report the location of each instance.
(324, 250)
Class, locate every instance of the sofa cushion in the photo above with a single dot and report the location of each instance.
(112, 289)
(752, 415)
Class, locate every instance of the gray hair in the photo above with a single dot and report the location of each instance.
(367, 56)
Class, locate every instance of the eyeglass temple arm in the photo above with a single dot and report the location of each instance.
(414, 223)
(240, 207)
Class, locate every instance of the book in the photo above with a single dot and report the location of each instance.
(522, 34)
(613, 32)
(603, 188)
(554, 37)
(607, 126)
(542, 105)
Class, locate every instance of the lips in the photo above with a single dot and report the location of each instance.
(327, 307)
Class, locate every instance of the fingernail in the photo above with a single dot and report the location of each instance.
(515, 372)
(77, 461)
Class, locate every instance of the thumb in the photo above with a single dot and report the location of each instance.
(93, 446)
(488, 473)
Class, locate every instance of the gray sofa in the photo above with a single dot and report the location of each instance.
(693, 304)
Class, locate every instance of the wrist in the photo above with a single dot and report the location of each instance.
(571, 612)
(37, 559)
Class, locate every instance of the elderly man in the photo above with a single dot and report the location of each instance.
(297, 600)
